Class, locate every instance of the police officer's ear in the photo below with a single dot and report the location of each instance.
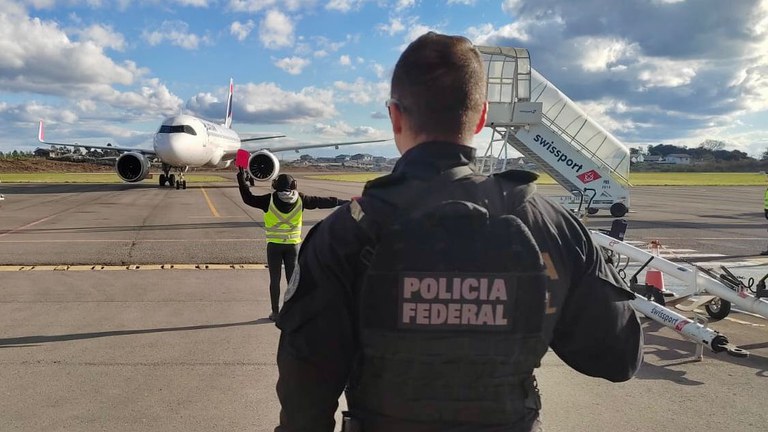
(395, 117)
(483, 116)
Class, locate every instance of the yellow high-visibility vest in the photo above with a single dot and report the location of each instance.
(283, 227)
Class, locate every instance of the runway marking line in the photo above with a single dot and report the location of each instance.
(135, 267)
(210, 204)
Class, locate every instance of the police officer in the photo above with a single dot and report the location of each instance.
(421, 350)
(283, 216)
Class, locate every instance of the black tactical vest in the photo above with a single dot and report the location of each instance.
(451, 306)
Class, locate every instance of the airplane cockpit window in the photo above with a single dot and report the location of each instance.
(177, 129)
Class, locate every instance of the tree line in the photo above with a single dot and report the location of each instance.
(710, 155)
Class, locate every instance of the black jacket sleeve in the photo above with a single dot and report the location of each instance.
(315, 202)
(598, 332)
(317, 342)
(258, 201)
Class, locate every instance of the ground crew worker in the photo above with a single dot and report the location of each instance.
(765, 208)
(441, 328)
(283, 216)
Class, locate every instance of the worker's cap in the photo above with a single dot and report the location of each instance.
(284, 182)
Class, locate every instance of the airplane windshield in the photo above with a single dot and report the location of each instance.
(177, 129)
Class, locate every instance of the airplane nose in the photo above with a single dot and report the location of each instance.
(169, 147)
(180, 149)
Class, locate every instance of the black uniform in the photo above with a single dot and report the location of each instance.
(588, 323)
(279, 253)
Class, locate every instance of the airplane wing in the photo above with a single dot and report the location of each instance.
(321, 145)
(242, 140)
(41, 139)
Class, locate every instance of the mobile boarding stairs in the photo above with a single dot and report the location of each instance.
(528, 113)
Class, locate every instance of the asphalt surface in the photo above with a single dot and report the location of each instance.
(191, 350)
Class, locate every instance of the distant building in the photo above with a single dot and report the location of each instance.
(361, 157)
(678, 159)
(654, 159)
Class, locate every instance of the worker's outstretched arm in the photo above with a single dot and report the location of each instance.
(316, 202)
(258, 201)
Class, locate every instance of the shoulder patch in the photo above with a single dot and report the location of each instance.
(520, 176)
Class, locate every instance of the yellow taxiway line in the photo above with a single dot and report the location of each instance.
(210, 204)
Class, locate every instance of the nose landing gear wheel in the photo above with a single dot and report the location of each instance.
(162, 179)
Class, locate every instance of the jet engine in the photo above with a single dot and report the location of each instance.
(132, 167)
(263, 165)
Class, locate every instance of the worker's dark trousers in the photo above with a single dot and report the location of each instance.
(278, 254)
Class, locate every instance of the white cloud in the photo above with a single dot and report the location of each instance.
(254, 6)
(32, 112)
(193, 3)
(344, 60)
(405, 4)
(292, 65)
(596, 54)
(267, 103)
(276, 30)
(394, 26)
(362, 92)
(511, 7)
(344, 6)
(241, 30)
(463, 2)
(342, 129)
(379, 70)
(657, 72)
(176, 33)
(37, 56)
(103, 36)
(251, 6)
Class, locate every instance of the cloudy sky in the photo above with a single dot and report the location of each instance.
(650, 71)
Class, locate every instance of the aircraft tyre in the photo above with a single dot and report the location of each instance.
(184, 184)
(171, 180)
(162, 179)
(592, 211)
(718, 308)
(178, 185)
(618, 209)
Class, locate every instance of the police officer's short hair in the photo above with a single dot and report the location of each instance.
(439, 83)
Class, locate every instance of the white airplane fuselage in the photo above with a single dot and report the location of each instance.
(188, 141)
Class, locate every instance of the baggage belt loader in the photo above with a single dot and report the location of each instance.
(698, 282)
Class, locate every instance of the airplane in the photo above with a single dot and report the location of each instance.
(186, 141)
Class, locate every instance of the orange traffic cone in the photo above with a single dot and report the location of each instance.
(654, 277)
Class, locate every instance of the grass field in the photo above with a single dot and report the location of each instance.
(92, 178)
(637, 179)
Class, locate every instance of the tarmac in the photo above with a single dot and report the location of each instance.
(140, 308)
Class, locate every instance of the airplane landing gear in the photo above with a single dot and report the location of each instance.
(179, 183)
